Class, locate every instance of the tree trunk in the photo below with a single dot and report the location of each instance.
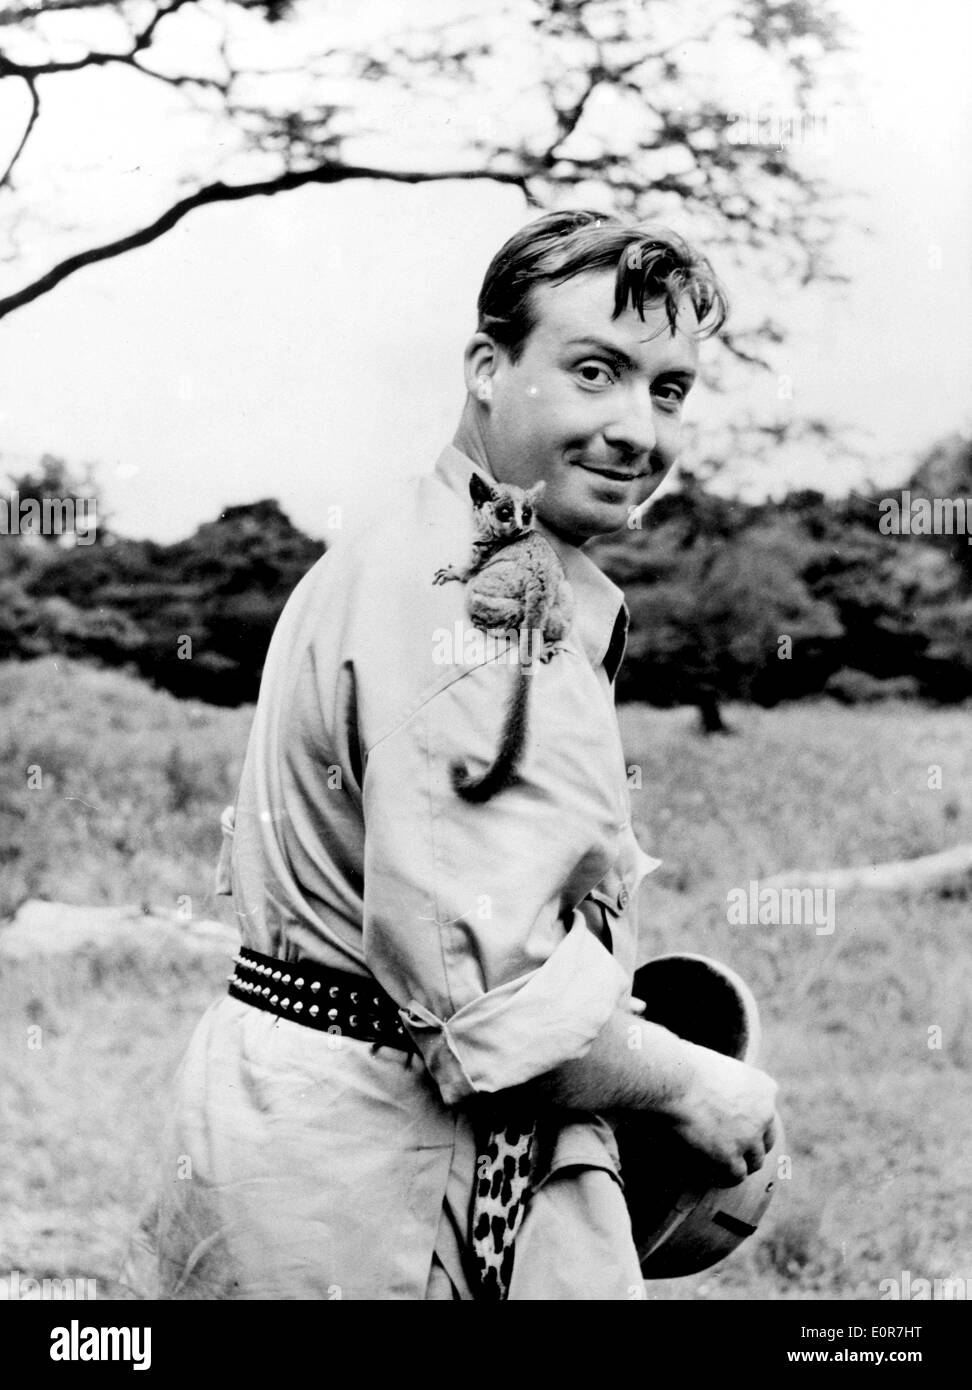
(710, 715)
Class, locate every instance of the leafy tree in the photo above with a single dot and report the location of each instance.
(566, 100)
(874, 585)
(946, 472)
(785, 600)
(728, 601)
(195, 617)
(18, 623)
(56, 480)
(941, 570)
(719, 609)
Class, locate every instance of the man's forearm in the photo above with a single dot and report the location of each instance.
(717, 1105)
(632, 1065)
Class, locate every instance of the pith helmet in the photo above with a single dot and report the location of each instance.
(681, 1223)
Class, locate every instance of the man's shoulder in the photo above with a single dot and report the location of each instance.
(420, 523)
(372, 606)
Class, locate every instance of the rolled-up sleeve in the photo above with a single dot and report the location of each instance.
(470, 918)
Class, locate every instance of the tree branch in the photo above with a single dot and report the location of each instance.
(96, 59)
(230, 193)
(569, 119)
(184, 79)
(17, 14)
(729, 341)
(31, 121)
(762, 203)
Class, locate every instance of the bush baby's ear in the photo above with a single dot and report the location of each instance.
(479, 490)
(534, 492)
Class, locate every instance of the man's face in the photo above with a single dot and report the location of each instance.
(593, 406)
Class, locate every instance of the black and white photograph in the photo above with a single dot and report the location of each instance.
(486, 660)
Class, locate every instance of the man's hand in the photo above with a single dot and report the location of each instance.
(725, 1112)
(721, 1108)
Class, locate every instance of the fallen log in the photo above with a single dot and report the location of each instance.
(43, 930)
(948, 867)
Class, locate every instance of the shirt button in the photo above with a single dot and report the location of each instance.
(623, 898)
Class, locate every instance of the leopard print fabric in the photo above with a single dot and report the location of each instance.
(503, 1169)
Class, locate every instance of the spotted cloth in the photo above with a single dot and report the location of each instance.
(504, 1160)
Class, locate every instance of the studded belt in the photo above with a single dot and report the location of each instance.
(333, 1001)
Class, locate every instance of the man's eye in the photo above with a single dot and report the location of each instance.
(672, 391)
(596, 373)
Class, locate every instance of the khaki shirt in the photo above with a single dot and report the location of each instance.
(504, 931)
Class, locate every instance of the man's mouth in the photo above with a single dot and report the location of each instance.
(617, 474)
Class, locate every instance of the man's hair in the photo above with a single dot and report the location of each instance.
(651, 263)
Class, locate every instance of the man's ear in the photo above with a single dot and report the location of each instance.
(479, 490)
(479, 362)
(534, 492)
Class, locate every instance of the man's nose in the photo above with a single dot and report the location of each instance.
(632, 431)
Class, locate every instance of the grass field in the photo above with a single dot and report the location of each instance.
(879, 1122)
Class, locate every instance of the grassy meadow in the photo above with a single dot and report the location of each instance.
(878, 1122)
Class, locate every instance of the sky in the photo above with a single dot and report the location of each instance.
(308, 347)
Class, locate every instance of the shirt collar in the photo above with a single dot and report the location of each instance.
(601, 615)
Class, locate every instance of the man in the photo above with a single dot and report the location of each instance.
(474, 960)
